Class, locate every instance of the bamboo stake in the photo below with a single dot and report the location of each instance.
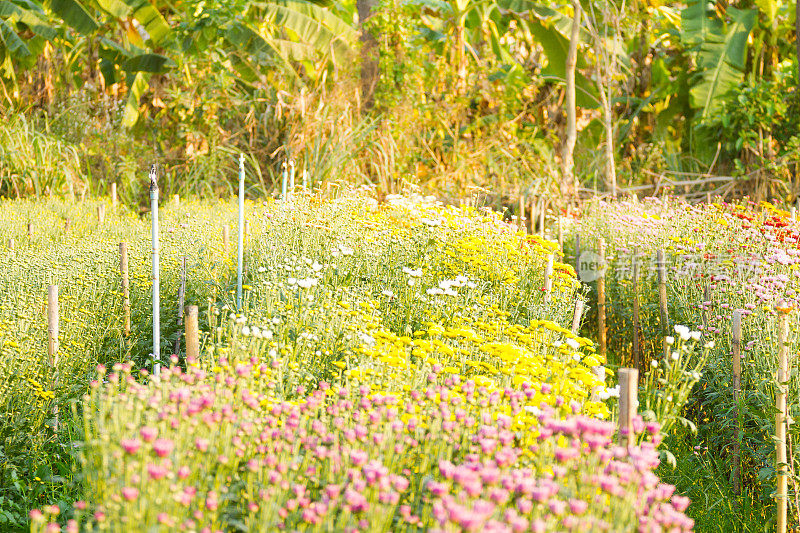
(661, 265)
(52, 325)
(523, 221)
(601, 299)
(114, 196)
(126, 295)
(780, 417)
(226, 230)
(101, 213)
(576, 317)
(156, 273)
(181, 300)
(192, 337)
(736, 346)
(635, 344)
(794, 213)
(305, 179)
(560, 234)
(11, 244)
(176, 201)
(542, 215)
(52, 337)
(628, 404)
(284, 179)
(240, 245)
(548, 278)
(533, 215)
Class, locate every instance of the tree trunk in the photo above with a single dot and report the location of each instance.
(370, 70)
(567, 161)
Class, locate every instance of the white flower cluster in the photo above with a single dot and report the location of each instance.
(446, 286)
(685, 334)
(606, 393)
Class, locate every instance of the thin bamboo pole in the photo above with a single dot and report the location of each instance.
(240, 245)
(52, 337)
(192, 336)
(542, 217)
(101, 213)
(284, 179)
(52, 325)
(736, 346)
(661, 266)
(532, 216)
(601, 299)
(523, 220)
(781, 495)
(635, 343)
(628, 404)
(126, 294)
(156, 273)
(114, 196)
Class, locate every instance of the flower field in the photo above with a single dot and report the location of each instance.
(394, 367)
(720, 258)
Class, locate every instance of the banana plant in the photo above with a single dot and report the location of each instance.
(719, 49)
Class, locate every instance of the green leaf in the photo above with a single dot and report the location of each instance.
(74, 15)
(150, 18)
(31, 19)
(721, 61)
(555, 48)
(138, 88)
(13, 43)
(153, 63)
(697, 22)
(115, 8)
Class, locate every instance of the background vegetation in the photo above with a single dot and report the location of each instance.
(450, 94)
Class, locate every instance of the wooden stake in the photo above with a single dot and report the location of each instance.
(781, 495)
(226, 230)
(661, 265)
(11, 244)
(523, 221)
(181, 298)
(192, 337)
(101, 213)
(114, 196)
(601, 299)
(126, 295)
(628, 404)
(176, 201)
(736, 346)
(548, 278)
(635, 344)
(576, 317)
